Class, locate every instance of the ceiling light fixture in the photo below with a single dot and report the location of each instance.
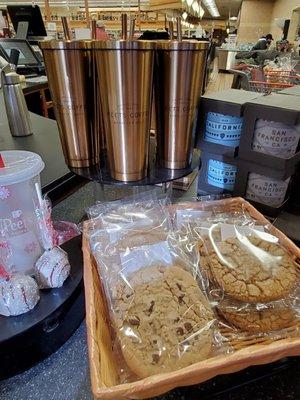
(189, 2)
(195, 6)
(201, 12)
(233, 18)
(212, 8)
(184, 15)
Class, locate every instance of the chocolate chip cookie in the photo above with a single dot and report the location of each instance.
(163, 320)
(251, 269)
(271, 317)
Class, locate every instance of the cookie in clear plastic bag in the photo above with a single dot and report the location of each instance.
(251, 268)
(257, 318)
(251, 279)
(145, 215)
(150, 278)
(163, 320)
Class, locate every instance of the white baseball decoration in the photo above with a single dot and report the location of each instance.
(52, 268)
(18, 294)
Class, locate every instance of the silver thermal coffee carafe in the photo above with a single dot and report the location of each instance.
(15, 104)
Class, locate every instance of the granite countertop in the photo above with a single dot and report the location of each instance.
(65, 374)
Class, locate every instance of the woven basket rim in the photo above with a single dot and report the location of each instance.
(196, 373)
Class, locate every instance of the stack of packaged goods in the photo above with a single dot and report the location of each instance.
(250, 146)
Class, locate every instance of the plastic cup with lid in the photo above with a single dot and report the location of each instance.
(19, 229)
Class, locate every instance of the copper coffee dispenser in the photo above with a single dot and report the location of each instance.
(125, 72)
(179, 73)
(71, 78)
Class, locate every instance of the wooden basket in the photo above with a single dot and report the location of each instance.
(103, 365)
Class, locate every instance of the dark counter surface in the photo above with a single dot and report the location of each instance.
(44, 141)
(65, 374)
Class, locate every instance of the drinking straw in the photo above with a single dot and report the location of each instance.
(124, 26)
(171, 30)
(94, 29)
(131, 28)
(66, 29)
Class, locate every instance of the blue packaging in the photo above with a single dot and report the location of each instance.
(223, 129)
(221, 175)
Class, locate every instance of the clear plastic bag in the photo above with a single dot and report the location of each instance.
(260, 317)
(250, 277)
(52, 268)
(64, 231)
(19, 293)
(124, 208)
(248, 263)
(132, 217)
(6, 259)
(167, 309)
(162, 319)
(197, 217)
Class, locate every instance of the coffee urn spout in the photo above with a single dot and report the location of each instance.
(6, 70)
(9, 76)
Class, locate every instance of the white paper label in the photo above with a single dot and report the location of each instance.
(144, 256)
(265, 190)
(276, 138)
(184, 216)
(231, 231)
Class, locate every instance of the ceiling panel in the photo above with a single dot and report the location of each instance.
(226, 6)
(92, 3)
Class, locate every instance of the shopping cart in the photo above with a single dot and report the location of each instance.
(268, 87)
(274, 80)
(256, 79)
(281, 75)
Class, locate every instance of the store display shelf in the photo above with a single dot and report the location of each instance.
(156, 174)
(31, 337)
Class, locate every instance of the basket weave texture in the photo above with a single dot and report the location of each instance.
(251, 350)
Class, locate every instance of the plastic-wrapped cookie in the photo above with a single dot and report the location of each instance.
(139, 238)
(251, 269)
(52, 268)
(258, 318)
(18, 295)
(163, 320)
